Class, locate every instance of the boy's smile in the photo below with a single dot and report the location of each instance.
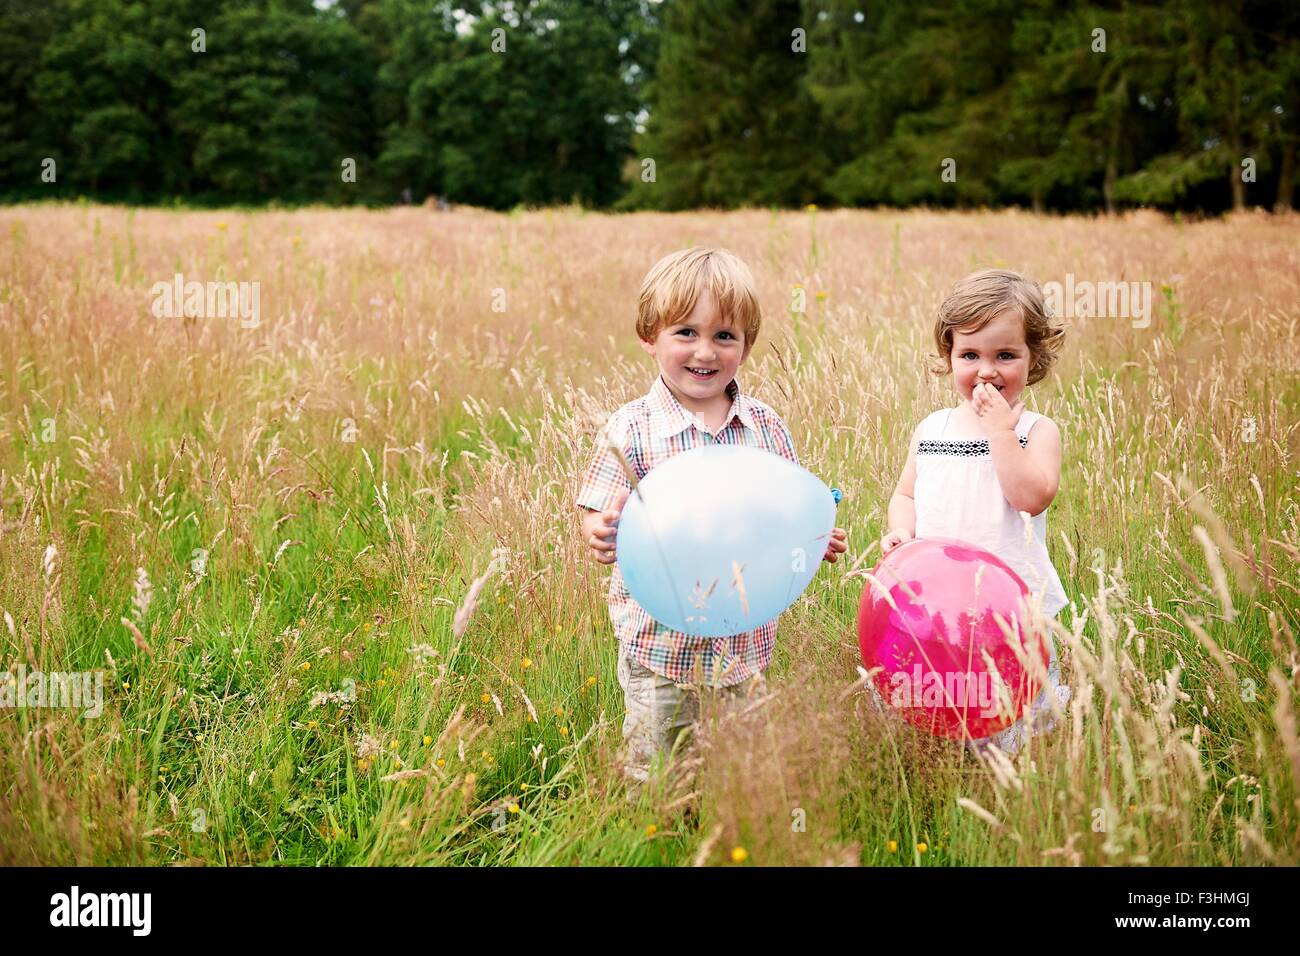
(698, 358)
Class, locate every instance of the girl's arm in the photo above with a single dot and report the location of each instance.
(902, 506)
(1029, 476)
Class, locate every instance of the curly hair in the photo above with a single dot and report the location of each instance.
(980, 298)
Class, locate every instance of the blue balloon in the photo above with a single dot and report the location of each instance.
(721, 539)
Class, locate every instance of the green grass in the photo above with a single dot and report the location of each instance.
(210, 750)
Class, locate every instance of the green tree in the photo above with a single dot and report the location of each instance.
(276, 104)
(26, 27)
(104, 96)
(730, 120)
(533, 104)
(915, 92)
(1093, 99)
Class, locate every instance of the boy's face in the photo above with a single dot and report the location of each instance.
(996, 354)
(700, 355)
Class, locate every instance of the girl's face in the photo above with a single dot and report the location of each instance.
(996, 354)
(699, 356)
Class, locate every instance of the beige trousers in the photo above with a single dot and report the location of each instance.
(660, 712)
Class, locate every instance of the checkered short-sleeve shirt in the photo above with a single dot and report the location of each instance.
(649, 431)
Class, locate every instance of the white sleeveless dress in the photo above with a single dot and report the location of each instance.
(958, 495)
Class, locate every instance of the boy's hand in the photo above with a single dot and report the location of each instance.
(994, 414)
(605, 530)
(892, 540)
(837, 545)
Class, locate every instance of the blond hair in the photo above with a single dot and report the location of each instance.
(980, 298)
(675, 283)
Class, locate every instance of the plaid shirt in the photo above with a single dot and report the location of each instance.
(649, 431)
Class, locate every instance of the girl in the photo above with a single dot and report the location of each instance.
(979, 471)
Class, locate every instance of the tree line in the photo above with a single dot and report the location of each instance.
(634, 104)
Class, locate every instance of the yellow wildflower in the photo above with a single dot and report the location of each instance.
(651, 830)
(526, 663)
(892, 846)
(486, 698)
(427, 740)
(739, 854)
(921, 848)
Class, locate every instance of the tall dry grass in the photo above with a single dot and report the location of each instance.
(275, 607)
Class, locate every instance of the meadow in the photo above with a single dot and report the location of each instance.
(328, 566)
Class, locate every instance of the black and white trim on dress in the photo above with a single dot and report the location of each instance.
(960, 447)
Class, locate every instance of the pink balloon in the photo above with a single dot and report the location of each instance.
(930, 643)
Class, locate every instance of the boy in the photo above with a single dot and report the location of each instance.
(698, 315)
